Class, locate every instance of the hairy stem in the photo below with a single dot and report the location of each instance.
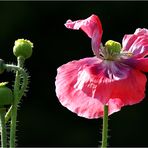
(21, 61)
(105, 127)
(24, 74)
(13, 125)
(3, 128)
(15, 102)
(8, 114)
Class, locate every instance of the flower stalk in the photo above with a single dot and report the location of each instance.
(105, 127)
(22, 50)
(13, 111)
(15, 103)
(3, 128)
(25, 76)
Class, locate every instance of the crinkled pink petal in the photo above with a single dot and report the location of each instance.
(96, 80)
(142, 31)
(128, 41)
(136, 43)
(76, 100)
(130, 90)
(92, 27)
(109, 79)
(139, 64)
(84, 86)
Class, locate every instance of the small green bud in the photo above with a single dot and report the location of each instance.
(23, 48)
(113, 47)
(2, 66)
(6, 96)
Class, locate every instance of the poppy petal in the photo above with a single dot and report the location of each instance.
(139, 64)
(85, 86)
(130, 90)
(108, 79)
(92, 27)
(136, 43)
(76, 100)
(142, 31)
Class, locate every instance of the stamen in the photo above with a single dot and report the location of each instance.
(112, 51)
(126, 54)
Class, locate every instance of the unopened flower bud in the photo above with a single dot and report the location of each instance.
(6, 96)
(23, 48)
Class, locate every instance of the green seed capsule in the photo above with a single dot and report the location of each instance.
(23, 48)
(113, 46)
(6, 96)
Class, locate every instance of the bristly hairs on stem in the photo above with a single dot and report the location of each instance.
(3, 128)
(105, 127)
(18, 93)
(24, 76)
(100, 133)
(23, 86)
(22, 50)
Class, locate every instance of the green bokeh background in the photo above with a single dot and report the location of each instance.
(43, 121)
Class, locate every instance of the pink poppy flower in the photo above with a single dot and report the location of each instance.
(113, 77)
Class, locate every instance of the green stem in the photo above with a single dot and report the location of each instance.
(8, 114)
(13, 125)
(3, 128)
(14, 111)
(23, 87)
(14, 105)
(105, 127)
(21, 61)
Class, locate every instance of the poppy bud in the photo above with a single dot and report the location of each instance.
(23, 48)
(6, 96)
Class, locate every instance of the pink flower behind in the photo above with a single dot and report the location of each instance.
(112, 77)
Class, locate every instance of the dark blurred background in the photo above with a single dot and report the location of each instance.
(43, 121)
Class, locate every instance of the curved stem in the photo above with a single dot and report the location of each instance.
(105, 127)
(8, 114)
(14, 110)
(16, 100)
(3, 128)
(23, 87)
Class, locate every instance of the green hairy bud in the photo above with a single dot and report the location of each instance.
(23, 48)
